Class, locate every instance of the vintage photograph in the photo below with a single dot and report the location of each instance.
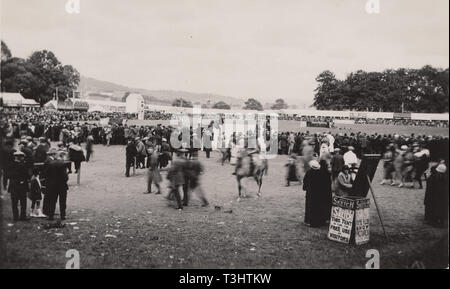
(212, 134)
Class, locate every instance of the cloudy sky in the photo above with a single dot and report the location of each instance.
(243, 48)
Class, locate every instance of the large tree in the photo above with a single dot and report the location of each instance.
(39, 77)
(413, 90)
(253, 104)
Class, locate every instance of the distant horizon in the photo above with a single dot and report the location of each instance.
(241, 49)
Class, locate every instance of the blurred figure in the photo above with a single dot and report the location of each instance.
(154, 175)
(89, 147)
(176, 177)
(408, 167)
(76, 156)
(421, 163)
(193, 170)
(398, 166)
(140, 154)
(292, 174)
(388, 165)
(350, 158)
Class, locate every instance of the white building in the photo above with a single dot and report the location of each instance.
(134, 103)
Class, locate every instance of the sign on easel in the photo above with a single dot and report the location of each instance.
(341, 221)
(350, 220)
(350, 215)
(362, 221)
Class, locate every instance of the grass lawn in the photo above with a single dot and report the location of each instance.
(114, 225)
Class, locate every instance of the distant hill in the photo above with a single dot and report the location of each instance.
(108, 90)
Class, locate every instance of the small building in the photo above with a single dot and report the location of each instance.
(134, 103)
(15, 99)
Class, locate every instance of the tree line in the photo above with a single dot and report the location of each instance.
(394, 90)
(37, 77)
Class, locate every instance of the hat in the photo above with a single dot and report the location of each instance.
(337, 149)
(404, 147)
(351, 148)
(314, 164)
(182, 150)
(164, 139)
(18, 153)
(441, 168)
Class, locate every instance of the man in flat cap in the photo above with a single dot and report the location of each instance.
(18, 186)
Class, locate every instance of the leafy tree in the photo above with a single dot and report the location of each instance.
(39, 76)
(279, 104)
(253, 104)
(221, 105)
(5, 52)
(414, 90)
(180, 102)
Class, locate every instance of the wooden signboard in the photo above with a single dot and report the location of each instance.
(362, 221)
(367, 168)
(349, 220)
(341, 222)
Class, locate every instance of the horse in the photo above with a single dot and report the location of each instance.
(246, 170)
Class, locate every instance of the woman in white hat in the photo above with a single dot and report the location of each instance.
(317, 184)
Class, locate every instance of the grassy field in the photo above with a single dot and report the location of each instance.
(114, 225)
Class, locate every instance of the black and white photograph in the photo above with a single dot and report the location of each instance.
(240, 136)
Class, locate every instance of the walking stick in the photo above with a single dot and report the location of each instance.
(376, 206)
(134, 166)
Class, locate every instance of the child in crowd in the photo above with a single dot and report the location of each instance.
(35, 195)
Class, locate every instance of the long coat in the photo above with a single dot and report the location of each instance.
(436, 198)
(317, 184)
(55, 174)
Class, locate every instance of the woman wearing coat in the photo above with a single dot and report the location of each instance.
(317, 184)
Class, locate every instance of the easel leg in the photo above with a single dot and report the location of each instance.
(376, 206)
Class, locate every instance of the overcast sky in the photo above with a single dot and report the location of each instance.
(243, 48)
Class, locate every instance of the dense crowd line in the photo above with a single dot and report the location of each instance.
(322, 162)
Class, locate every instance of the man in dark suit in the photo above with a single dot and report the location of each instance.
(56, 187)
(130, 153)
(18, 186)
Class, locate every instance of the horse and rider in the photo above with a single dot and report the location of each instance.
(250, 164)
